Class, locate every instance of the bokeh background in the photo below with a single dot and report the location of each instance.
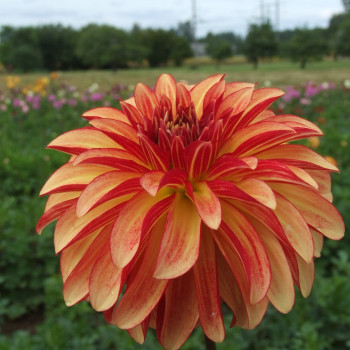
(59, 60)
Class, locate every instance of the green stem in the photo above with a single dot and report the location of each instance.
(209, 344)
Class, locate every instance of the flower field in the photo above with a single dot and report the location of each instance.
(33, 314)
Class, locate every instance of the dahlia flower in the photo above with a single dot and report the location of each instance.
(187, 198)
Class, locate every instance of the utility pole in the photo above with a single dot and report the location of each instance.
(194, 20)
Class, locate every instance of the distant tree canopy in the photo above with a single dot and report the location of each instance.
(261, 42)
(307, 44)
(56, 47)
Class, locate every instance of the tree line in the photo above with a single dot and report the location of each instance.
(57, 47)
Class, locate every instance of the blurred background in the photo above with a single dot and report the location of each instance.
(58, 60)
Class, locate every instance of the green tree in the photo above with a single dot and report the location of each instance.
(20, 48)
(218, 48)
(57, 45)
(102, 46)
(307, 44)
(261, 42)
(338, 34)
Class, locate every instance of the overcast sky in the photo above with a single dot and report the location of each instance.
(212, 15)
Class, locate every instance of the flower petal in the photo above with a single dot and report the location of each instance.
(146, 100)
(180, 314)
(80, 140)
(144, 291)
(324, 217)
(180, 244)
(150, 181)
(106, 113)
(206, 278)
(166, 85)
(207, 204)
(105, 281)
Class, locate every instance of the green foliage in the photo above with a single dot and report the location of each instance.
(307, 44)
(260, 42)
(218, 48)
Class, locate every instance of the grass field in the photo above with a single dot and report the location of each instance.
(278, 74)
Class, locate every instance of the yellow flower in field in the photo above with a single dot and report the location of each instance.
(54, 75)
(314, 141)
(12, 81)
(189, 197)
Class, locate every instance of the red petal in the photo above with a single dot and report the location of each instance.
(180, 244)
(281, 292)
(150, 181)
(144, 291)
(72, 178)
(199, 91)
(126, 232)
(105, 281)
(117, 127)
(178, 153)
(198, 158)
(80, 140)
(166, 85)
(297, 155)
(99, 187)
(207, 204)
(76, 287)
(258, 190)
(316, 210)
(206, 278)
(146, 100)
(180, 312)
(106, 113)
(235, 103)
(243, 237)
(153, 154)
(70, 228)
(295, 228)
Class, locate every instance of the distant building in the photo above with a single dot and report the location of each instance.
(198, 49)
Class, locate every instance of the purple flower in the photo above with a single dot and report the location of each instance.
(51, 98)
(72, 102)
(57, 104)
(96, 96)
(311, 90)
(290, 94)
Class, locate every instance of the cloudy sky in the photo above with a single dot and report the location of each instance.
(213, 15)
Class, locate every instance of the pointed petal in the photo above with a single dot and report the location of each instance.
(206, 279)
(105, 281)
(243, 237)
(80, 140)
(180, 244)
(199, 91)
(306, 276)
(236, 103)
(98, 188)
(281, 292)
(138, 333)
(146, 100)
(180, 312)
(258, 190)
(116, 127)
(144, 291)
(76, 287)
(318, 242)
(150, 181)
(256, 138)
(126, 232)
(166, 85)
(297, 155)
(71, 256)
(295, 228)
(106, 113)
(72, 178)
(178, 153)
(207, 204)
(198, 158)
(114, 158)
(316, 210)
(153, 154)
(70, 228)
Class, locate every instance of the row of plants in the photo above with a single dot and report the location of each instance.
(33, 315)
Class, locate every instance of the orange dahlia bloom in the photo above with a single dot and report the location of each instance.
(189, 197)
